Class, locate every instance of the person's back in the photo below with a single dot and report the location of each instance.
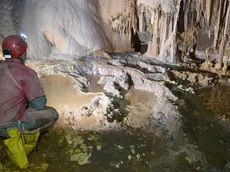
(12, 101)
(22, 97)
(14, 98)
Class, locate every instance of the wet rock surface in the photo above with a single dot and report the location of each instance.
(138, 110)
(117, 76)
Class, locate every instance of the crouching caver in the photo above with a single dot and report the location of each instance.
(22, 98)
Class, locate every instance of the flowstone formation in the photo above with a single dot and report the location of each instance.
(114, 110)
(117, 76)
(159, 18)
(70, 27)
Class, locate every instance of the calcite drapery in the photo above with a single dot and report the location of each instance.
(162, 21)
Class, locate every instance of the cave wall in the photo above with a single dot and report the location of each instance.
(55, 26)
(81, 27)
(77, 27)
(185, 25)
(208, 20)
(68, 27)
(118, 19)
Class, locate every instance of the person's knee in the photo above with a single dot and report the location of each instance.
(55, 114)
(4, 134)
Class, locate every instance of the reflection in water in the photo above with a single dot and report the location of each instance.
(94, 87)
(140, 108)
(216, 99)
(208, 132)
(60, 92)
(141, 99)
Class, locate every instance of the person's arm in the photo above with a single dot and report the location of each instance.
(33, 90)
(39, 103)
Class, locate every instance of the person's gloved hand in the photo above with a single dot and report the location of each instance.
(39, 103)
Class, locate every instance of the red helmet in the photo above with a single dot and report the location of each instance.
(14, 46)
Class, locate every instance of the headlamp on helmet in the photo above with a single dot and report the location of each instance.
(14, 46)
(23, 36)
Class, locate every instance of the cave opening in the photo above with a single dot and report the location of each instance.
(136, 44)
(180, 23)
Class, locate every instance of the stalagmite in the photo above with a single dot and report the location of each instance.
(223, 40)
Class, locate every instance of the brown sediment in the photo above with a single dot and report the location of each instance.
(60, 92)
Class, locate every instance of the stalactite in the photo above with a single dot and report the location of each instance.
(207, 16)
(227, 19)
(198, 9)
(186, 16)
(156, 34)
(173, 47)
(208, 11)
(123, 22)
(141, 13)
(161, 27)
(217, 25)
(167, 22)
(152, 13)
(170, 25)
(165, 29)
